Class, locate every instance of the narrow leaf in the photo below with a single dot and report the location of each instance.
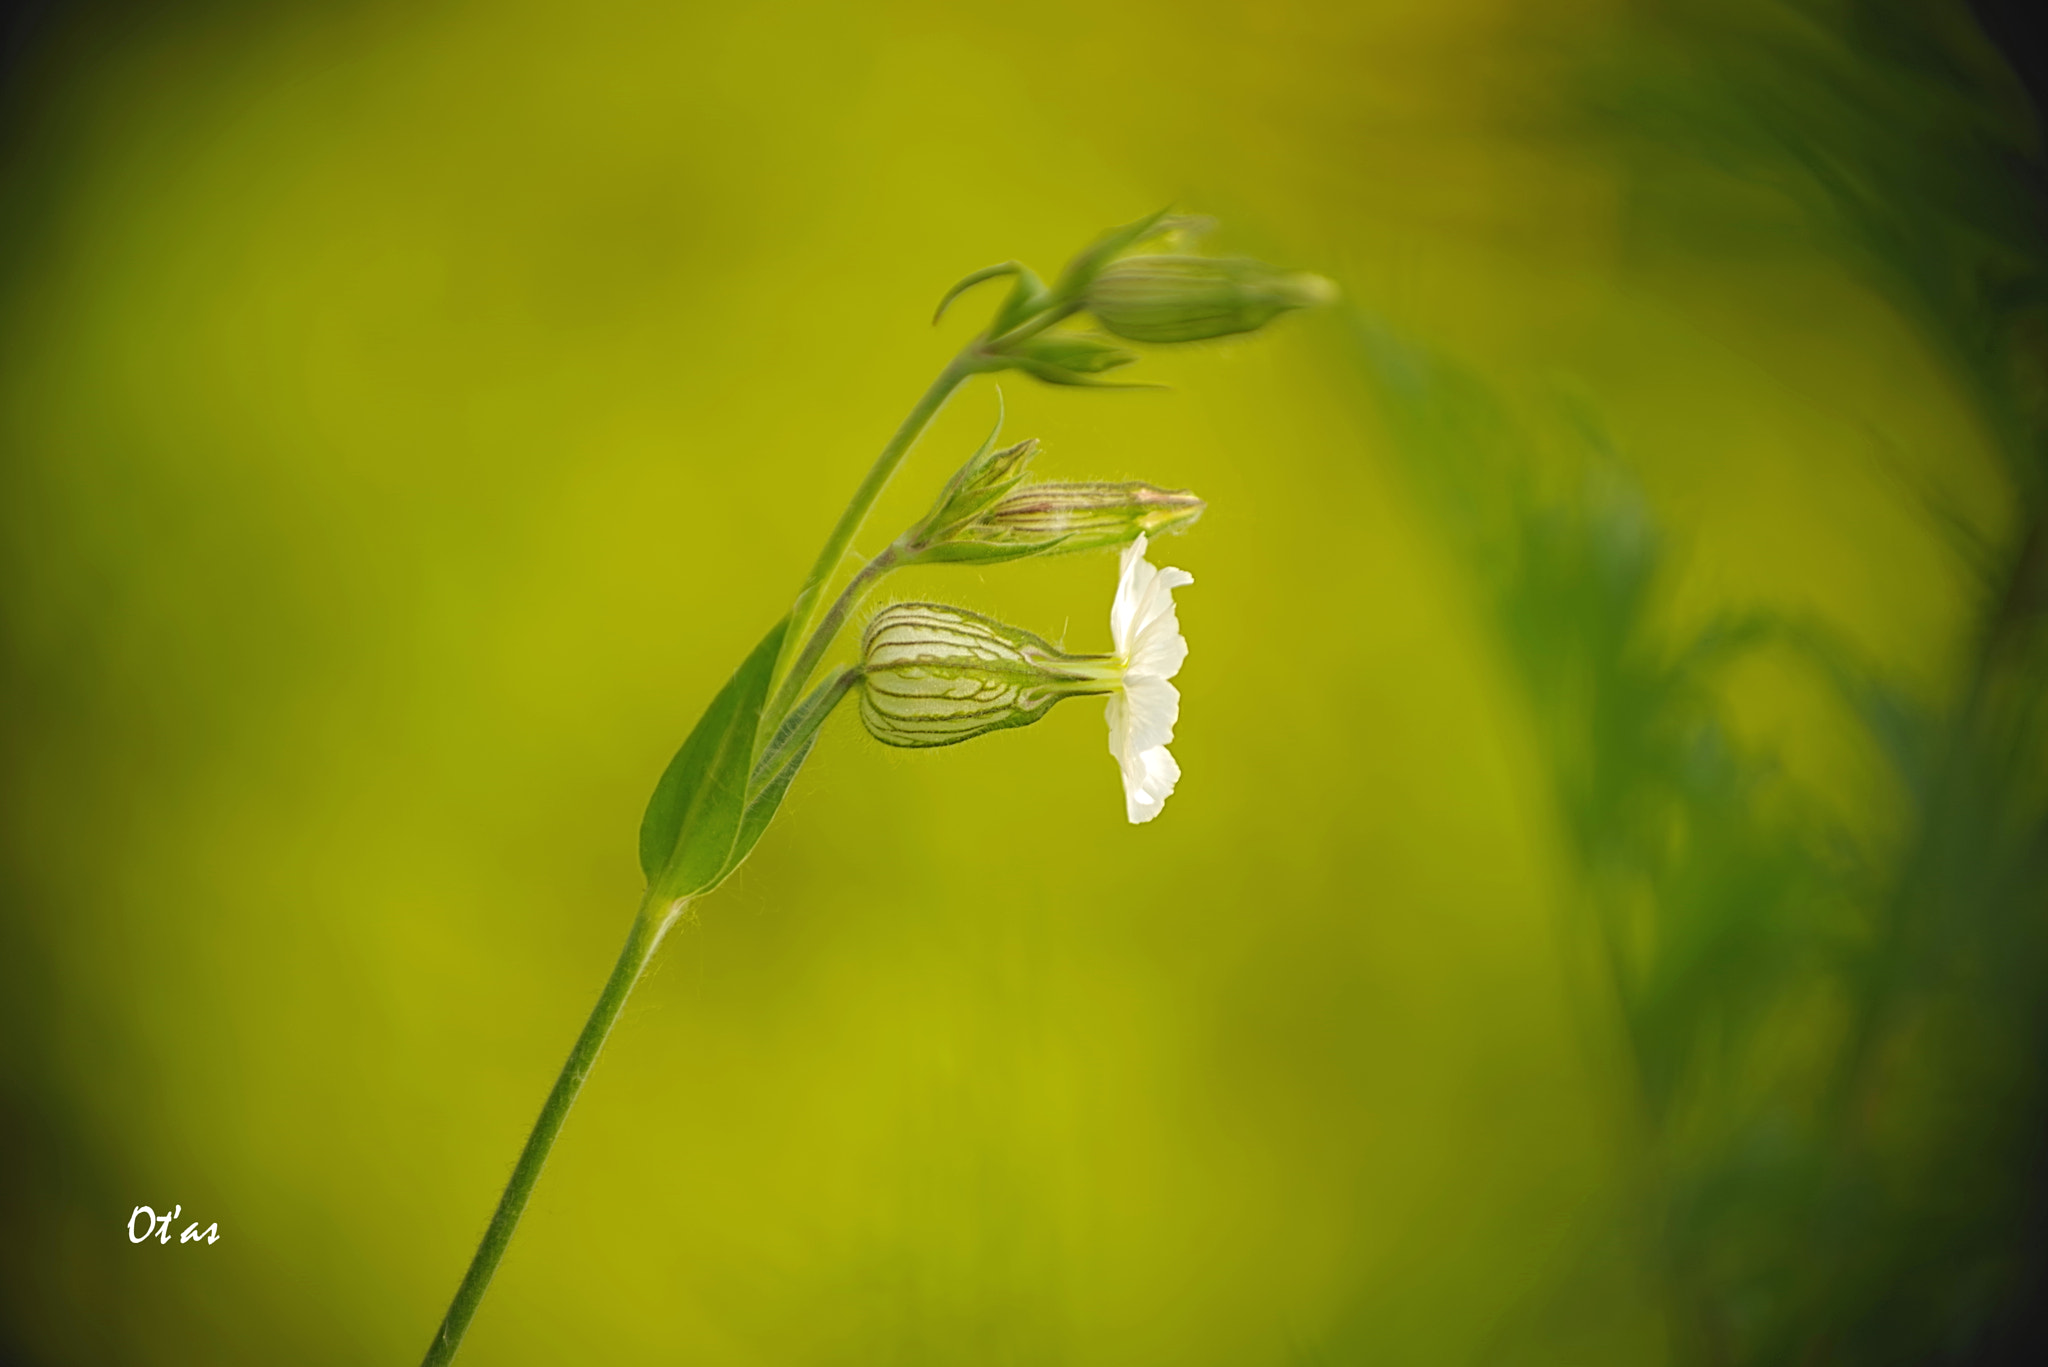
(695, 814)
(1026, 298)
(969, 282)
(782, 757)
(1080, 272)
(761, 810)
(1055, 374)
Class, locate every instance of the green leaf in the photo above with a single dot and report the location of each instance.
(969, 282)
(693, 820)
(973, 466)
(781, 757)
(1072, 351)
(763, 806)
(1053, 374)
(1027, 297)
(1080, 272)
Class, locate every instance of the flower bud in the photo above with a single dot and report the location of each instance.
(937, 675)
(1194, 298)
(1065, 357)
(1039, 518)
(985, 478)
(1082, 270)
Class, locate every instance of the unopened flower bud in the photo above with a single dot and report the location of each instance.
(1194, 298)
(985, 478)
(1036, 519)
(937, 675)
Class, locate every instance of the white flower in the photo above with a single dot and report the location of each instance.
(1150, 650)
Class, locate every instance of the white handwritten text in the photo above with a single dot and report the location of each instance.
(160, 1226)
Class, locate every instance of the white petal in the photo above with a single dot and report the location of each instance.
(1148, 783)
(1141, 720)
(1149, 707)
(1158, 648)
(1143, 713)
(1134, 576)
(1142, 621)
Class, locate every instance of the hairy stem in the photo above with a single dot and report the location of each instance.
(649, 926)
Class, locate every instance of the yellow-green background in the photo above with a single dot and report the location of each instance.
(412, 412)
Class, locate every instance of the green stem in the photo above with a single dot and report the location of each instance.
(827, 629)
(792, 740)
(649, 926)
(802, 614)
(1032, 326)
(802, 647)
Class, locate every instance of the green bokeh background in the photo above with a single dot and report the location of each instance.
(411, 414)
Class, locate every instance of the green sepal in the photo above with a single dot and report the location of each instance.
(1074, 352)
(985, 477)
(761, 808)
(968, 481)
(1080, 272)
(1027, 297)
(781, 757)
(1053, 374)
(694, 819)
(983, 553)
(970, 281)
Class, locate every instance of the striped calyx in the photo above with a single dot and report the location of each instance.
(1165, 299)
(938, 675)
(1035, 519)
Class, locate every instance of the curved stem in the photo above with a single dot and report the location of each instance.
(821, 638)
(802, 614)
(792, 740)
(649, 926)
(1035, 324)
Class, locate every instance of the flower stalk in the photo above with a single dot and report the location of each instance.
(649, 928)
(934, 675)
(956, 373)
